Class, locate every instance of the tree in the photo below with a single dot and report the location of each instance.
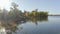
(15, 13)
(4, 14)
(14, 5)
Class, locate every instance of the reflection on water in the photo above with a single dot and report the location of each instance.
(12, 26)
(52, 26)
(35, 20)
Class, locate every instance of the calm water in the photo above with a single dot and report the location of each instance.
(50, 26)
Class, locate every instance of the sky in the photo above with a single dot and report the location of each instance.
(4, 4)
(52, 6)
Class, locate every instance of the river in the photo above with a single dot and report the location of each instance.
(49, 26)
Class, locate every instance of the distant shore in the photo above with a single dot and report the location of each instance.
(53, 15)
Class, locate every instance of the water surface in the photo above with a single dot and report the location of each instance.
(49, 26)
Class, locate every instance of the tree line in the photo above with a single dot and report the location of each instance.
(15, 14)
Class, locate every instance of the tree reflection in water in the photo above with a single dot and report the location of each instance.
(35, 20)
(13, 26)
